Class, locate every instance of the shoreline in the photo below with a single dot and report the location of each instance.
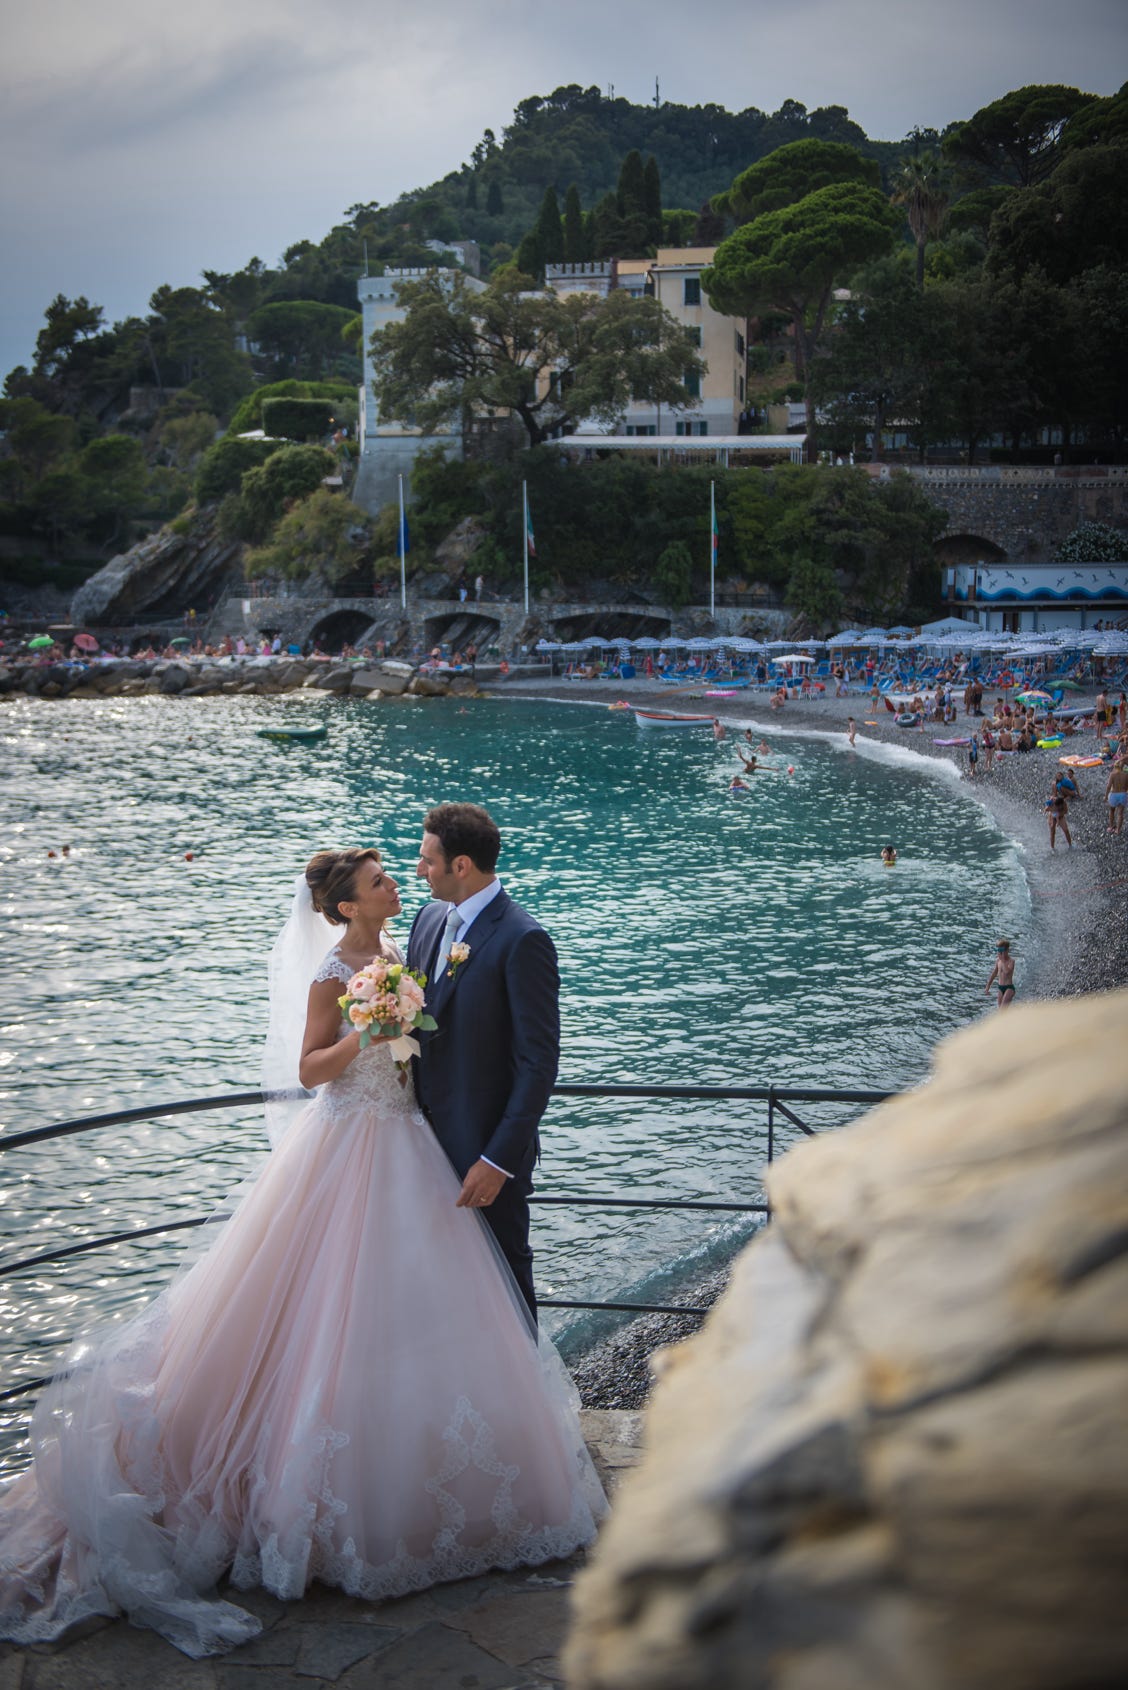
(1079, 896)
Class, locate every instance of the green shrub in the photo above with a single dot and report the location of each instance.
(297, 419)
(340, 394)
(1094, 542)
(223, 466)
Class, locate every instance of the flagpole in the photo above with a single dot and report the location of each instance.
(525, 537)
(402, 549)
(712, 548)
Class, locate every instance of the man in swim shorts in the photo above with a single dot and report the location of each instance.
(1116, 791)
(1002, 974)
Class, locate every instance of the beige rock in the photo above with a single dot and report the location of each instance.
(897, 1455)
(392, 678)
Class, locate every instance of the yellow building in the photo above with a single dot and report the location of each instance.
(673, 277)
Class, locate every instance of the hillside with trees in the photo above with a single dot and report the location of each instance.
(944, 292)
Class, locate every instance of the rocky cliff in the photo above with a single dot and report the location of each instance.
(160, 577)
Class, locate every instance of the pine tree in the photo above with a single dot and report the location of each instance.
(495, 205)
(576, 248)
(652, 202)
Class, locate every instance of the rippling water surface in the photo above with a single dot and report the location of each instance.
(702, 938)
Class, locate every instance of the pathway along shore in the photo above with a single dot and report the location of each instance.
(1079, 897)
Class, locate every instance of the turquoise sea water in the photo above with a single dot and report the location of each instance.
(702, 939)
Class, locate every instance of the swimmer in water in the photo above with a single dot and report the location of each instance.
(738, 785)
(888, 855)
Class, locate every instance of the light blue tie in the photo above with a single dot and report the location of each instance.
(453, 923)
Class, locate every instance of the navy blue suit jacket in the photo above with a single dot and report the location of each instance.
(484, 1077)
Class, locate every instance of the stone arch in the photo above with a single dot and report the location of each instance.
(341, 625)
(954, 549)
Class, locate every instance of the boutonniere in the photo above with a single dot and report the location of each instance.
(458, 955)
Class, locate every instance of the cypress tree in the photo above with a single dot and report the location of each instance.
(631, 205)
(652, 202)
(575, 244)
(495, 205)
(550, 230)
(632, 185)
(472, 194)
(529, 257)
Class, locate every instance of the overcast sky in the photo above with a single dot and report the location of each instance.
(143, 142)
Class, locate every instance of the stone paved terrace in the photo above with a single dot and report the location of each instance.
(500, 1632)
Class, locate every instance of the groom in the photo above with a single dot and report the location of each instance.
(484, 1076)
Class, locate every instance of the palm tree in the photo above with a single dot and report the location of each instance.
(922, 186)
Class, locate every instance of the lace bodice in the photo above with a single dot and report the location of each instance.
(373, 1080)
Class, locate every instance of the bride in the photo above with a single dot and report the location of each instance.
(345, 1386)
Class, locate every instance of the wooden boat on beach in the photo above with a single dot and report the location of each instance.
(298, 736)
(670, 719)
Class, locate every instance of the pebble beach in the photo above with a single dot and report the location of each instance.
(1079, 895)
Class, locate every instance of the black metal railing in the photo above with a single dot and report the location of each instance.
(777, 1098)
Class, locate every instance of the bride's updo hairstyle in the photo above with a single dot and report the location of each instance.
(331, 878)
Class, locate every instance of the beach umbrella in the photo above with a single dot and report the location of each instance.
(181, 639)
(848, 636)
(794, 657)
(1036, 696)
(646, 643)
(40, 642)
(1068, 686)
(86, 642)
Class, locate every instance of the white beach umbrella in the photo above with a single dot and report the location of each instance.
(848, 636)
(646, 643)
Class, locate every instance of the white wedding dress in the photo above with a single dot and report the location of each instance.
(345, 1386)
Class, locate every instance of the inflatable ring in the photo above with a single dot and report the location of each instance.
(906, 719)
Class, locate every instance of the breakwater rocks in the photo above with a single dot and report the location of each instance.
(204, 677)
(897, 1454)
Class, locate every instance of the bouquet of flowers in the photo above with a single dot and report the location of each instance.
(385, 999)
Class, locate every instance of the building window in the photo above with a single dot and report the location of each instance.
(742, 390)
(641, 428)
(691, 290)
(687, 428)
(739, 344)
(693, 384)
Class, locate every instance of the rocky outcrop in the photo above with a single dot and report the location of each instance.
(897, 1455)
(158, 577)
(456, 552)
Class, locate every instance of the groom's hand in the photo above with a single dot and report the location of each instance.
(480, 1187)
